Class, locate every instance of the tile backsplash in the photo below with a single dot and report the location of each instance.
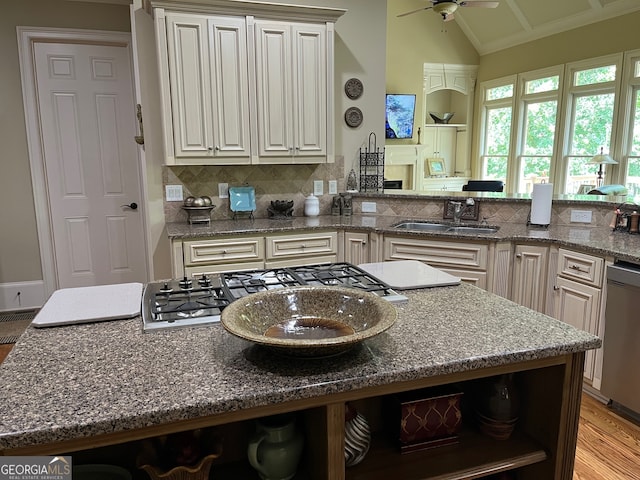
(295, 182)
(271, 182)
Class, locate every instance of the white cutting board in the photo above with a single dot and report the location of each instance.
(90, 304)
(406, 274)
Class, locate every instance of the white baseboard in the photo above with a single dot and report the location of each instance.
(21, 295)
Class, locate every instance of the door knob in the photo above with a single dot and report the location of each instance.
(132, 206)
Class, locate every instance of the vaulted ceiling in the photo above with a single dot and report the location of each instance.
(518, 21)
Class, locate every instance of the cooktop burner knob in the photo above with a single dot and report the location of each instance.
(204, 281)
(186, 283)
(166, 288)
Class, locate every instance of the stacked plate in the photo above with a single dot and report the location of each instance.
(242, 200)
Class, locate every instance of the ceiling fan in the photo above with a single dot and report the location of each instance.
(446, 8)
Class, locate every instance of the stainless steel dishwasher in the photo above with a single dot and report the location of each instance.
(621, 355)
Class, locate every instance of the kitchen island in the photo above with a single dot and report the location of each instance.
(86, 387)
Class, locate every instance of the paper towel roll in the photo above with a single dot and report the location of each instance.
(541, 197)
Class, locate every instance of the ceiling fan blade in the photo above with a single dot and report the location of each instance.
(413, 11)
(479, 3)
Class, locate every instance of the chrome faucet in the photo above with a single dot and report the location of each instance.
(459, 209)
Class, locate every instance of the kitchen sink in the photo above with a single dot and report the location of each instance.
(446, 228)
(473, 230)
(428, 227)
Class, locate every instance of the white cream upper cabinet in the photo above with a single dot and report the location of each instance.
(207, 117)
(291, 62)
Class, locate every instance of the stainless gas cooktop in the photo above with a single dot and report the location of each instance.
(200, 300)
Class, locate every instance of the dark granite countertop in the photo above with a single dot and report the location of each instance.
(597, 240)
(71, 382)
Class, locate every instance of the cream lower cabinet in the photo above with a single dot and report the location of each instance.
(578, 301)
(356, 248)
(301, 249)
(530, 276)
(197, 257)
(466, 260)
(228, 254)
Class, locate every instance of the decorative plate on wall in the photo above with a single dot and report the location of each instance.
(353, 117)
(353, 88)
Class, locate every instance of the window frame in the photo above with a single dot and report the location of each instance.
(565, 97)
(485, 106)
(523, 101)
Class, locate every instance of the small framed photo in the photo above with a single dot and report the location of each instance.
(436, 167)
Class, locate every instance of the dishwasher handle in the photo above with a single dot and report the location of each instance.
(624, 274)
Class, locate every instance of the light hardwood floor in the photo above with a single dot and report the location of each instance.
(608, 445)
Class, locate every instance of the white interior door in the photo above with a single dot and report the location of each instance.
(87, 120)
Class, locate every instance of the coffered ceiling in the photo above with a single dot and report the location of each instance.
(518, 21)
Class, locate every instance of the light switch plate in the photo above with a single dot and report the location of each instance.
(318, 187)
(368, 207)
(223, 190)
(333, 187)
(173, 193)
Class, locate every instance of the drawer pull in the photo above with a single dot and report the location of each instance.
(576, 267)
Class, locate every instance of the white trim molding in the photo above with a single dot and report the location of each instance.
(22, 295)
(27, 37)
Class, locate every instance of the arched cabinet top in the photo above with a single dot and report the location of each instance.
(444, 76)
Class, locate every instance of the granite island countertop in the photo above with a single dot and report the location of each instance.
(74, 382)
(596, 240)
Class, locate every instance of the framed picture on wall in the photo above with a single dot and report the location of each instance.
(436, 167)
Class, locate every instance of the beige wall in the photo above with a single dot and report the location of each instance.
(19, 252)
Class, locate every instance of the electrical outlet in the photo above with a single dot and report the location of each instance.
(581, 216)
(368, 207)
(223, 190)
(318, 187)
(173, 193)
(333, 187)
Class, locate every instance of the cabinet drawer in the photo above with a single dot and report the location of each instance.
(208, 252)
(473, 277)
(316, 245)
(435, 253)
(580, 266)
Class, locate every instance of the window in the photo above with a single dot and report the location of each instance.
(630, 155)
(497, 119)
(546, 125)
(590, 110)
(539, 106)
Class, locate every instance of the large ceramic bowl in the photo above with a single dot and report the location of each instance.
(309, 321)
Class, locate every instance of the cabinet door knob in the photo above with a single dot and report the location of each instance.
(210, 149)
(556, 288)
(518, 255)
